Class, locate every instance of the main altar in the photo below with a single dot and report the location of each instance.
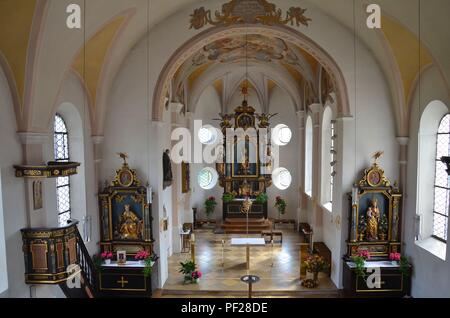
(245, 172)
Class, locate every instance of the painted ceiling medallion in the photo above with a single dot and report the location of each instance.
(248, 11)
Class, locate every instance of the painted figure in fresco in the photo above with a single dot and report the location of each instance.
(244, 165)
(167, 169)
(373, 217)
(130, 226)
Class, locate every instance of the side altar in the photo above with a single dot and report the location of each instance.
(125, 214)
(245, 172)
(375, 229)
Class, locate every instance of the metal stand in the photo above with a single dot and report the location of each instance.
(250, 280)
(223, 247)
(272, 251)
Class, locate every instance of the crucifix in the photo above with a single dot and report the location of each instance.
(122, 281)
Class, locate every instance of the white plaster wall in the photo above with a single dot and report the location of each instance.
(13, 194)
(430, 274)
(128, 129)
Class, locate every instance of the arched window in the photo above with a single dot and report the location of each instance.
(308, 156)
(441, 181)
(61, 154)
(328, 158)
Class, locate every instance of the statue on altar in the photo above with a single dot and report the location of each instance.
(373, 217)
(245, 189)
(130, 227)
(244, 165)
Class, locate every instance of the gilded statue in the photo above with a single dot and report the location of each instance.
(246, 206)
(130, 226)
(373, 217)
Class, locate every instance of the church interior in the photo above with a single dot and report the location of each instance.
(224, 148)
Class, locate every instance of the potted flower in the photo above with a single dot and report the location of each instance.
(360, 262)
(280, 204)
(141, 256)
(394, 258)
(228, 197)
(404, 265)
(196, 275)
(187, 268)
(315, 264)
(106, 257)
(261, 198)
(383, 227)
(210, 205)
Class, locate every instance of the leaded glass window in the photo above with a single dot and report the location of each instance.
(61, 153)
(441, 183)
(332, 158)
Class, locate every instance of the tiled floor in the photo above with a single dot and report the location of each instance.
(278, 268)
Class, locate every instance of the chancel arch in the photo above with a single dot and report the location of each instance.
(202, 39)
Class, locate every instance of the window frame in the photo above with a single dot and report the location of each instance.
(435, 185)
(66, 149)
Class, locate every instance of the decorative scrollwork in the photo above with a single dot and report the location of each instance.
(248, 11)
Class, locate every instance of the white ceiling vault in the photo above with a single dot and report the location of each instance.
(117, 26)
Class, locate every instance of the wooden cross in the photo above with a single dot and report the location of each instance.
(122, 281)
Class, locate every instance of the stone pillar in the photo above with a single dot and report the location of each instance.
(301, 164)
(35, 146)
(177, 199)
(316, 207)
(97, 142)
(403, 161)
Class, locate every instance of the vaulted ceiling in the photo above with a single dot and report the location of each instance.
(35, 45)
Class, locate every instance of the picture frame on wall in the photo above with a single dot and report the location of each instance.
(185, 177)
(37, 195)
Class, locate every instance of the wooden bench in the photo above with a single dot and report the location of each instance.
(200, 223)
(272, 234)
(283, 221)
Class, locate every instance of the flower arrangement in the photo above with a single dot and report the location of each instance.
(196, 275)
(188, 268)
(261, 198)
(315, 264)
(362, 226)
(210, 205)
(147, 260)
(280, 204)
(359, 261)
(106, 255)
(228, 197)
(395, 257)
(142, 255)
(383, 226)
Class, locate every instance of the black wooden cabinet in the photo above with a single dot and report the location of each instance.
(393, 282)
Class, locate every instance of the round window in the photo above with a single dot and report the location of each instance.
(281, 178)
(207, 178)
(281, 135)
(207, 135)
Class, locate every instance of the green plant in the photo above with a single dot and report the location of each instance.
(98, 261)
(359, 263)
(148, 267)
(261, 198)
(280, 204)
(187, 268)
(404, 266)
(210, 205)
(228, 197)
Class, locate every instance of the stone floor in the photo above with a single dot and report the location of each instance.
(278, 269)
